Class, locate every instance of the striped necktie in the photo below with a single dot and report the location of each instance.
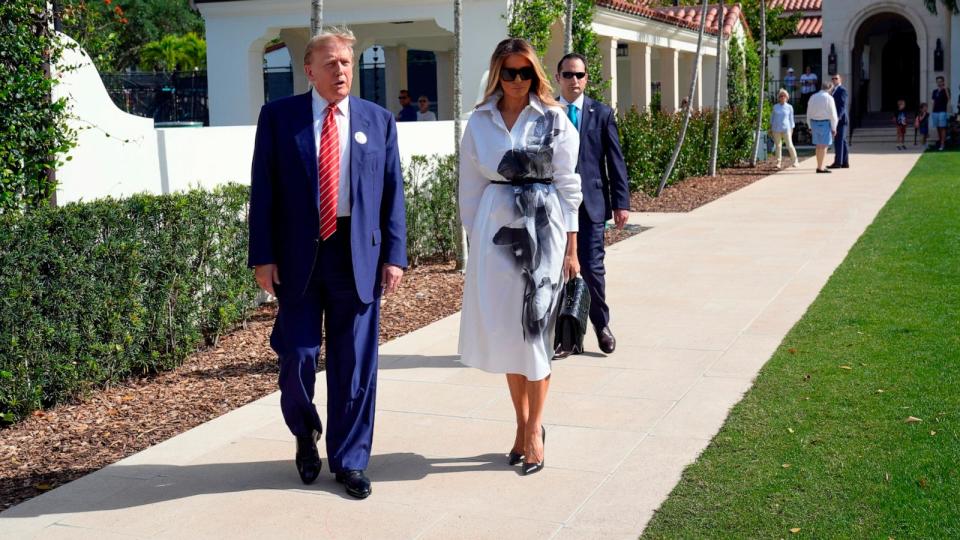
(329, 167)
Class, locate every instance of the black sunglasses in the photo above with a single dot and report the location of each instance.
(509, 74)
(572, 74)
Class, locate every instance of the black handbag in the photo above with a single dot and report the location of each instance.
(572, 319)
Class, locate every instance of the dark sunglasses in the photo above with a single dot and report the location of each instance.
(509, 74)
(572, 74)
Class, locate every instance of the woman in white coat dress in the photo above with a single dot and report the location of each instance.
(519, 198)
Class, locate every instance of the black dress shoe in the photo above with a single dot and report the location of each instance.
(515, 458)
(357, 483)
(308, 459)
(821, 171)
(834, 166)
(607, 342)
(531, 468)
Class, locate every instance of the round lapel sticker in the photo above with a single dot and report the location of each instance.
(360, 137)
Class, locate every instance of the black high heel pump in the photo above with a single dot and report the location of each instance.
(531, 468)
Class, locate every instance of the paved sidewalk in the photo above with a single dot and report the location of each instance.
(699, 302)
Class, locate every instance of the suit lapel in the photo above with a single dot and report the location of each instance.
(585, 116)
(358, 141)
(306, 142)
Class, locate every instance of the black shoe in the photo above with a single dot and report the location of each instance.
(607, 342)
(308, 459)
(848, 166)
(531, 468)
(823, 171)
(357, 483)
(834, 166)
(515, 458)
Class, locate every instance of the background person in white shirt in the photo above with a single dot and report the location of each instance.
(808, 85)
(822, 115)
(425, 114)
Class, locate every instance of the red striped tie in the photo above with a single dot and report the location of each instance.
(329, 166)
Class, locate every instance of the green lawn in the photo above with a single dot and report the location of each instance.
(822, 443)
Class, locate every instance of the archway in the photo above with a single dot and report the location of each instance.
(886, 68)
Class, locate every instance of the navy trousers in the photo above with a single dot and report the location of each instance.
(330, 310)
(841, 156)
(590, 251)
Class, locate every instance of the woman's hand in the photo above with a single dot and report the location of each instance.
(571, 264)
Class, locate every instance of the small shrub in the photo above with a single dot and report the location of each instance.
(431, 199)
(94, 292)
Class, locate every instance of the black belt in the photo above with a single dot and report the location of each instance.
(523, 181)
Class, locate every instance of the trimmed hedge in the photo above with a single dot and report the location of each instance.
(93, 292)
(648, 138)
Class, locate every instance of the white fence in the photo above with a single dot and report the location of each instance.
(119, 154)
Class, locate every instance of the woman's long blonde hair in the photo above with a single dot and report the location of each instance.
(540, 86)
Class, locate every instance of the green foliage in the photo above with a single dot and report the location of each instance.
(175, 53)
(953, 7)
(93, 292)
(648, 139)
(779, 26)
(533, 20)
(114, 32)
(33, 130)
(430, 191)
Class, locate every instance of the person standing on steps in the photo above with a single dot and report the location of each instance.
(841, 155)
(603, 177)
(941, 101)
(327, 238)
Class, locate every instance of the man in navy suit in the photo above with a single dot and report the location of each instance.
(841, 156)
(327, 237)
(606, 192)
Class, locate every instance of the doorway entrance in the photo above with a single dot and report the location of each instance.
(886, 68)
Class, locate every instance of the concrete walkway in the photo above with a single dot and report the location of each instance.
(699, 302)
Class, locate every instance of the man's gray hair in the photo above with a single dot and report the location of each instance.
(339, 34)
(827, 85)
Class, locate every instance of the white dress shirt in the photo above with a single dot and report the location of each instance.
(822, 107)
(343, 129)
(428, 116)
(486, 139)
(578, 103)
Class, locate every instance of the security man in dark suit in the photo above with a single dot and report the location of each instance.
(606, 192)
(841, 155)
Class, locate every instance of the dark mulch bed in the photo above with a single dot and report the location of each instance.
(59, 445)
(697, 191)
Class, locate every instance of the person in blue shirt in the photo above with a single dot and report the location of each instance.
(781, 125)
(408, 113)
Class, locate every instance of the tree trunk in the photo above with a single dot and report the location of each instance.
(568, 28)
(716, 94)
(460, 235)
(316, 17)
(686, 111)
(763, 81)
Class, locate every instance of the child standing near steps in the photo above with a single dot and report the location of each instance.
(901, 121)
(921, 124)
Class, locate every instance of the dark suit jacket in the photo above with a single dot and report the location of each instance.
(840, 100)
(603, 173)
(284, 196)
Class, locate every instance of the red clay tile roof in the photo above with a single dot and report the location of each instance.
(797, 5)
(682, 16)
(809, 26)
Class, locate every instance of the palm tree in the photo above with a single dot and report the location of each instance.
(568, 28)
(716, 93)
(316, 17)
(460, 236)
(763, 73)
(686, 112)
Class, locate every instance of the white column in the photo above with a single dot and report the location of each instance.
(952, 60)
(640, 78)
(392, 68)
(234, 74)
(402, 67)
(296, 41)
(669, 83)
(484, 26)
(444, 85)
(608, 49)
